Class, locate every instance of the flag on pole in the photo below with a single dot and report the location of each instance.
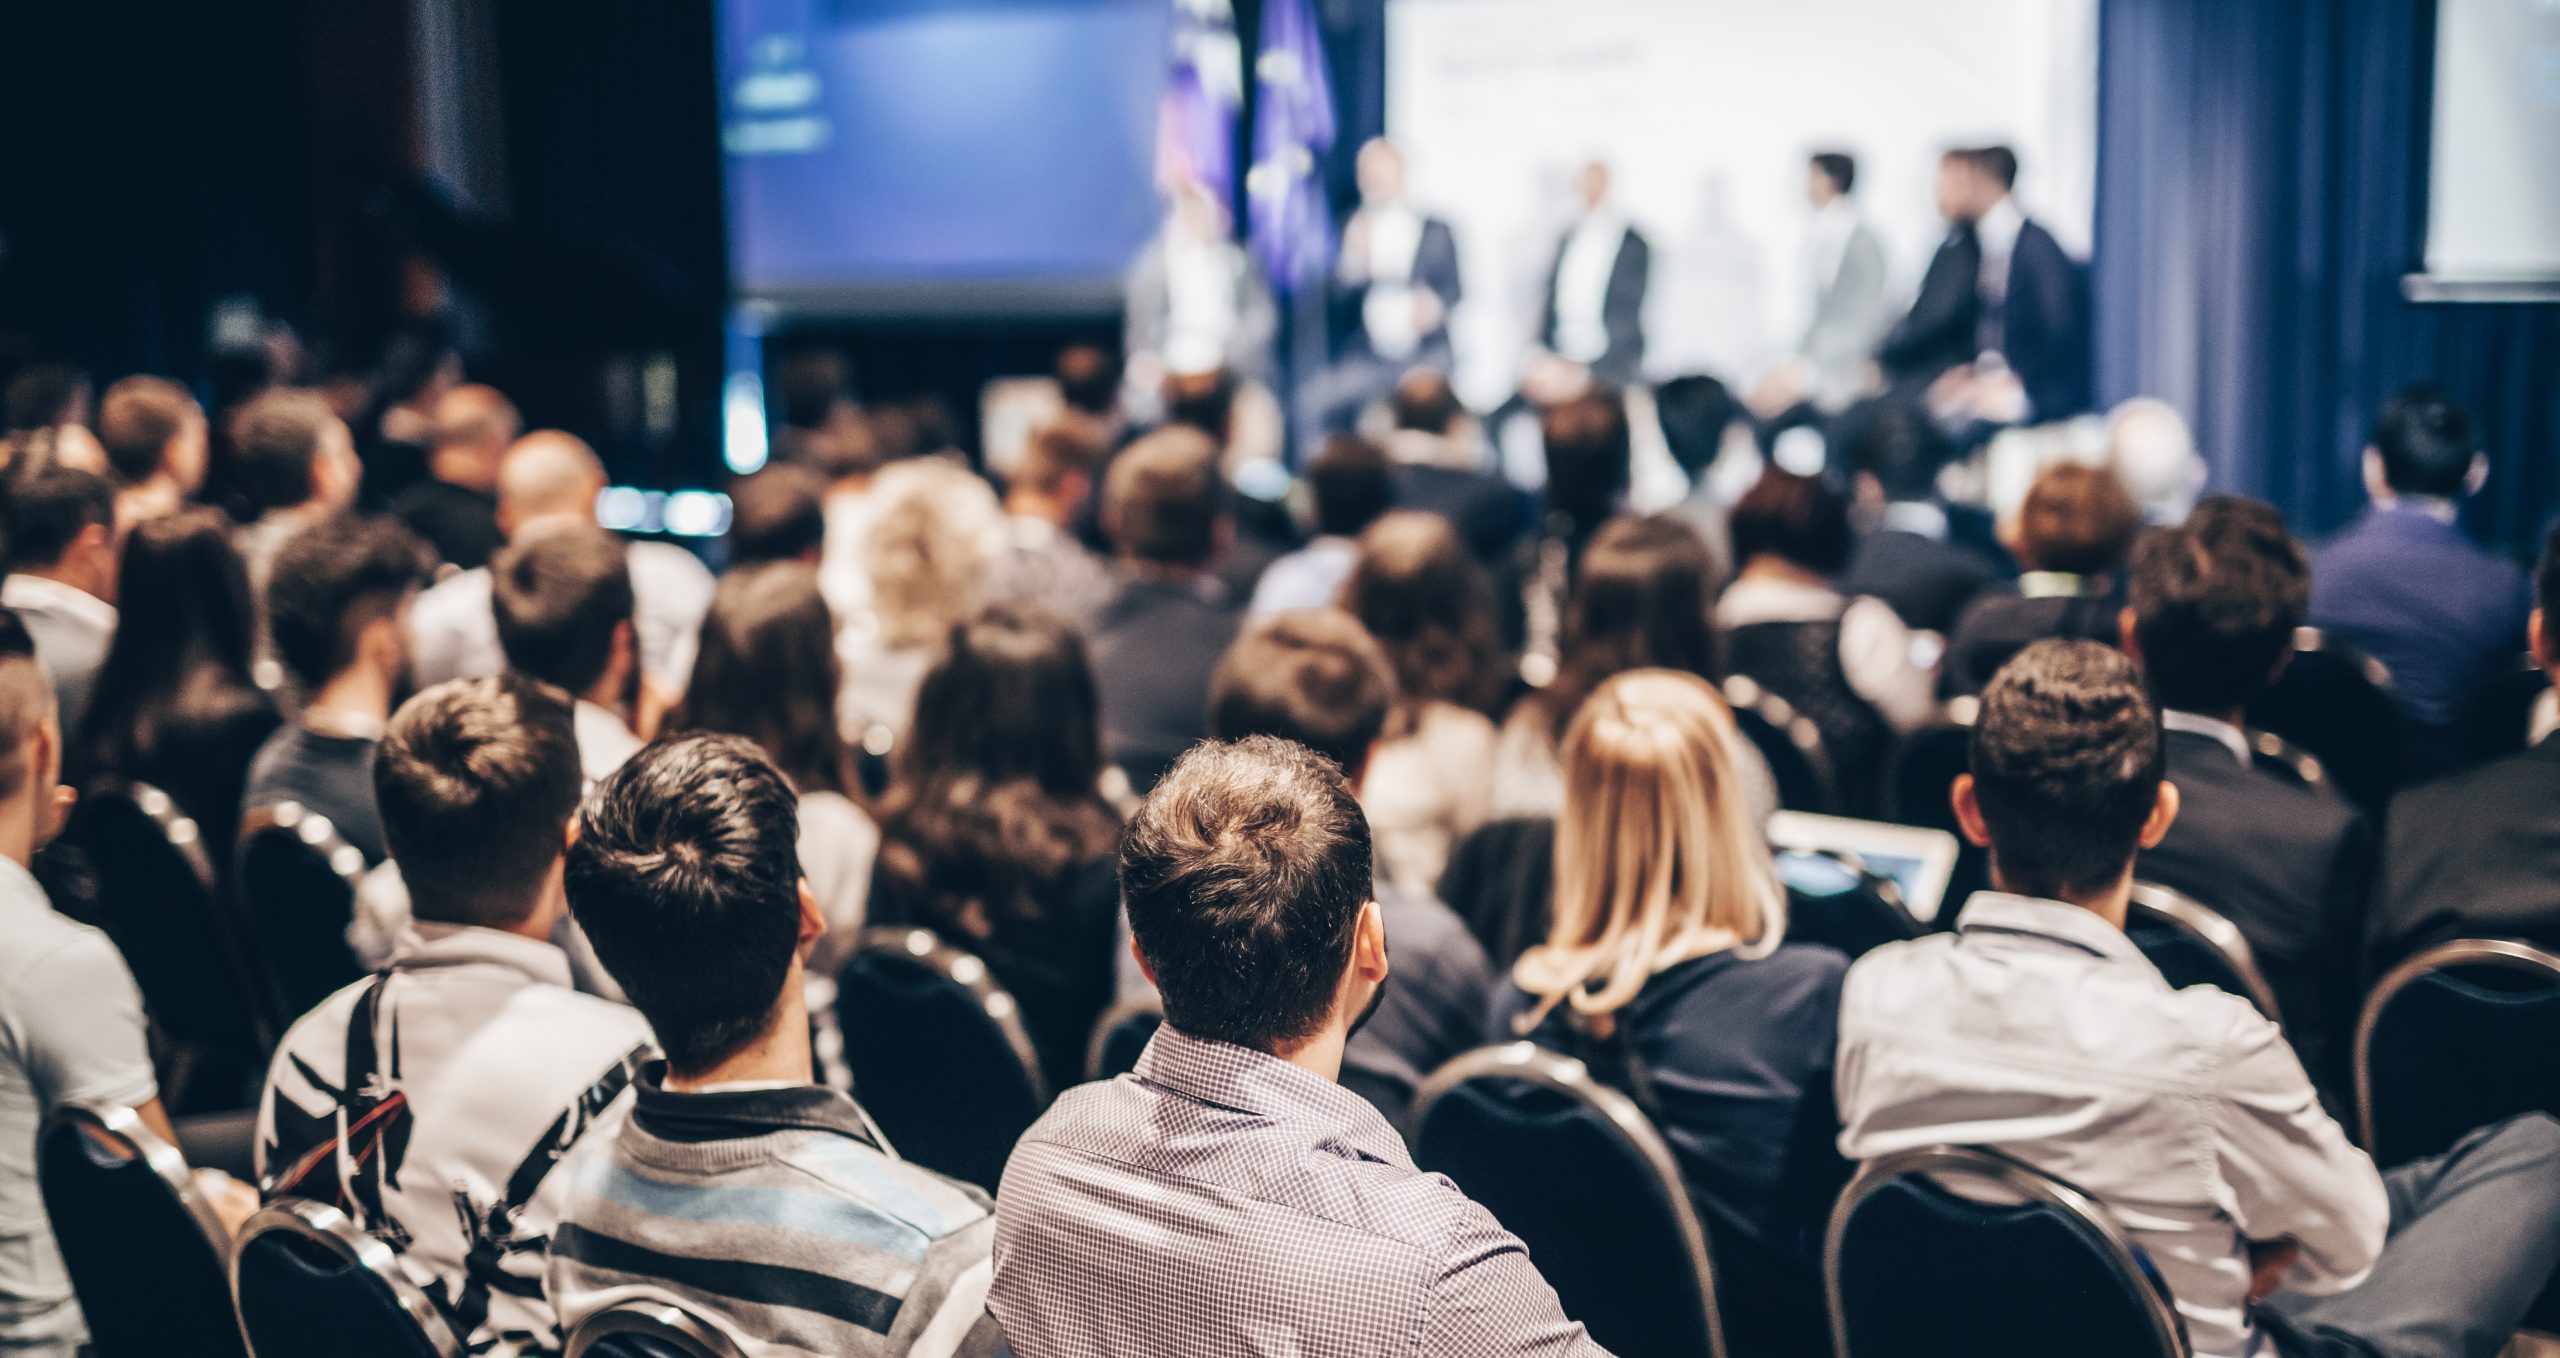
(1290, 223)
(1203, 96)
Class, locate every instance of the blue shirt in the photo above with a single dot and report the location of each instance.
(1309, 577)
(2408, 589)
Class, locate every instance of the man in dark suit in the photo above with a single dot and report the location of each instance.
(1910, 555)
(1388, 302)
(2213, 604)
(1438, 452)
(2478, 854)
(1593, 319)
(1156, 642)
(2403, 584)
(2029, 305)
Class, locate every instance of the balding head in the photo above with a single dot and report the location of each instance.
(549, 473)
(473, 426)
(2153, 452)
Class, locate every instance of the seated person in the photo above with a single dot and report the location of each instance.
(1042, 561)
(1350, 485)
(1168, 620)
(2474, 855)
(1666, 970)
(1228, 1196)
(454, 507)
(295, 463)
(563, 603)
(1696, 413)
(157, 446)
(2071, 537)
(61, 541)
(928, 557)
(498, 1064)
(1908, 556)
(777, 514)
(337, 605)
(2037, 1030)
(2213, 604)
(1313, 676)
(2149, 446)
(2403, 584)
(1439, 456)
(738, 1188)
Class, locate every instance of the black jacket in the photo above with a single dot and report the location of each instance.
(2475, 855)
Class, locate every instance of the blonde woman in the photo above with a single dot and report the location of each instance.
(1666, 969)
(934, 537)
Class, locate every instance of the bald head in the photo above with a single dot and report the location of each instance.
(547, 474)
(473, 426)
(2152, 450)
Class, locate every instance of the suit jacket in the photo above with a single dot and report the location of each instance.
(2411, 591)
(1622, 310)
(1927, 580)
(1999, 623)
(1938, 332)
(2476, 855)
(1154, 647)
(2044, 326)
(1848, 315)
(1489, 512)
(2291, 866)
(1435, 266)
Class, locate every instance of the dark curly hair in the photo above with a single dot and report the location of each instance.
(2066, 766)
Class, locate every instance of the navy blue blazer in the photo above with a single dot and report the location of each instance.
(2413, 592)
(1435, 266)
(2044, 326)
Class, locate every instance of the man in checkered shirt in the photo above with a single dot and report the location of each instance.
(1229, 1197)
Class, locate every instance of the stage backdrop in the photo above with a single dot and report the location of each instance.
(1707, 109)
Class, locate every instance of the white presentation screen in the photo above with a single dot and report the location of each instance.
(2493, 200)
(1706, 110)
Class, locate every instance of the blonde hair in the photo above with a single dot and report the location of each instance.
(1658, 858)
(929, 549)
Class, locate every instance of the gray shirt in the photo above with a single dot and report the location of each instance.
(72, 630)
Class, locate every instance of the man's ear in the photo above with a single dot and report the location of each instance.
(1145, 967)
(1968, 806)
(2536, 640)
(2478, 476)
(1369, 943)
(2164, 813)
(2376, 483)
(2128, 635)
(813, 923)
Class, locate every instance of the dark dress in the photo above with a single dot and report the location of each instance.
(1737, 1059)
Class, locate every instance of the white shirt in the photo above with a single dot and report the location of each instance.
(1878, 653)
(1582, 285)
(25, 592)
(454, 635)
(2232, 737)
(1386, 311)
(605, 741)
(2038, 1029)
(1997, 234)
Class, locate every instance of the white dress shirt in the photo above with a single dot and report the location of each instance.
(2038, 1029)
(1997, 234)
(1386, 312)
(1582, 285)
(1879, 653)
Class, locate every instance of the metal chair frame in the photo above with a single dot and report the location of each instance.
(1095, 1047)
(186, 837)
(2303, 764)
(1532, 1064)
(2014, 1177)
(2497, 952)
(2374, 672)
(662, 1321)
(330, 1229)
(2208, 926)
(1746, 694)
(313, 829)
(115, 1124)
(968, 971)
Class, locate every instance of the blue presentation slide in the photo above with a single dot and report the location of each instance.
(888, 146)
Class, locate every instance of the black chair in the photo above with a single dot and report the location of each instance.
(2191, 944)
(937, 1052)
(1789, 741)
(190, 956)
(2267, 750)
(1924, 769)
(145, 1252)
(309, 1284)
(1832, 899)
(2336, 703)
(1604, 1213)
(1123, 1032)
(1902, 1246)
(648, 1329)
(2497, 718)
(2457, 1037)
(297, 884)
(1498, 880)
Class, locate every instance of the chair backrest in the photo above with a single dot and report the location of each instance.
(297, 883)
(1833, 900)
(157, 899)
(2269, 750)
(1923, 771)
(648, 1329)
(1903, 1250)
(2192, 944)
(2454, 1038)
(144, 1250)
(937, 1051)
(2497, 717)
(2336, 703)
(1123, 1032)
(1605, 1214)
(1789, 741)
(309, 1284)
(1499, 879)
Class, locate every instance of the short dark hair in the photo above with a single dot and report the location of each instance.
(1244, 874)
(275, 438)
(1998, 162)
(2426, 441)
(1694, 412)
(557, 598)
(2215, 601)
(2066, 767)
(1310, 675)
(1803, 519)
(136, 420)
(477, 779)
(44, 394)
(766, 668)
(47, 506)
(685, 877)
(1839, 167)
(1203, 401)
(1069, 445)
(1351, 485)
(1896, 443)
(1089, 378)
(332, 580)
(1162, 498)
(1589, 455)
(777, 514)
(1424, 400)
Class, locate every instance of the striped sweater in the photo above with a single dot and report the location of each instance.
(774, 1215)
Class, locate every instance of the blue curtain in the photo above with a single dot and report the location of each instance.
(2261, 190)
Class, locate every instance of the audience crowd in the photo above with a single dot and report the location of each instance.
(1429, 765)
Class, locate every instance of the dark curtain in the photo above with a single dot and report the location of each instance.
(2262, 173)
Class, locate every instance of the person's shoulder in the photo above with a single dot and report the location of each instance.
(932, 1205)
(34, 936)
